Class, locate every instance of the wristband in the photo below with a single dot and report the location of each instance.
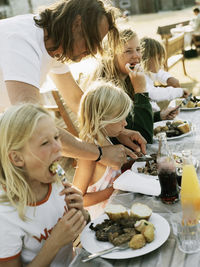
(100, 154)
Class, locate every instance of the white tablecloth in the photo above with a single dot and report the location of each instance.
(168, 255)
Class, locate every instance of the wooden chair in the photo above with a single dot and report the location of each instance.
(196, 40)
(61, 108)
(175, 51)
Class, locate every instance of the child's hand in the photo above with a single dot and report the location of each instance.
(169, 114)
(185, 93)
(137, 78)
(74, 199)
(67, 228)
(73, 196)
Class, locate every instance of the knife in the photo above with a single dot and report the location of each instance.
(184, 102)
(141, 158)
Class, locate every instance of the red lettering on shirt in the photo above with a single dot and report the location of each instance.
(47, 232)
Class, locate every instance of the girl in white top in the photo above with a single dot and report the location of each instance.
(102, 114)
(39, 218)
(153, 59)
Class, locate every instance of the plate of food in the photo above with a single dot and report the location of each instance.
(174, 129)
(143, 234)
(193, 104)
(149, 168)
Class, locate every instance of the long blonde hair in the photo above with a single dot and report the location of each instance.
(108, 67)
(152, 49)
(102, 104)
(16, 127)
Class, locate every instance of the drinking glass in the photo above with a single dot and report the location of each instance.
(188, 237)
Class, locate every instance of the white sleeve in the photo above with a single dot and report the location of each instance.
(20, 61)
(11, 239)
(162, 76)
(164, 93)
(60, 68)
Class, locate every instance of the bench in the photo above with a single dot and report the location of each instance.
(164, 31)
(174, 47)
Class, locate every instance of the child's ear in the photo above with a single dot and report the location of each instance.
(16, 158)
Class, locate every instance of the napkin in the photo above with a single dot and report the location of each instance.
(131, 181)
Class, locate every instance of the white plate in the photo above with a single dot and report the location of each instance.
(184, 109)
(163, 123)
(173, 103)
(142, 165)
(92, 245)
(178, 165)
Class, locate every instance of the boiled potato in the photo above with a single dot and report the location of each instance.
(137, 241)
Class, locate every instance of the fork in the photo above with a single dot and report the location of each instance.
(61, 173)
(105, 251)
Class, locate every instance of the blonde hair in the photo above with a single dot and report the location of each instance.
(108, 66)
(16, 127)
(102, 104)
(152, 49)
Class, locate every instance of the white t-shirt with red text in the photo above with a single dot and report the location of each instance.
(27, 237)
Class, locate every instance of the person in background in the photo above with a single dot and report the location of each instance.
(39, 217)
(195, 23)
(60, 33)
(153, 59)
(131, 78)
(103, 111)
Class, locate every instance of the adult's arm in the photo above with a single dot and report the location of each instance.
(113, 156)
(20, 92)
(69, 89)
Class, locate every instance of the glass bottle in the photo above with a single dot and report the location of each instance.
(166, 172)
(190, 191)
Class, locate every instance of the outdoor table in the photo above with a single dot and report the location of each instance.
(168, 254)
(187, 30)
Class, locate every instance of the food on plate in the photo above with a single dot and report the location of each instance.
(184, 128)
(140, 211)
(193, 103)
(118, 239)
(141, 224)
(137, 241)
(116, 212)
(174, 128)
(190, 104)
(148, 233)
(150, 167)
(123, 230)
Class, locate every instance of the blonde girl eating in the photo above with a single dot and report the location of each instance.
(39, 218)
(102, 114)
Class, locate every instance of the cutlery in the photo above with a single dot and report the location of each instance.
(184, 102)
(144, 158)
(105, 251)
